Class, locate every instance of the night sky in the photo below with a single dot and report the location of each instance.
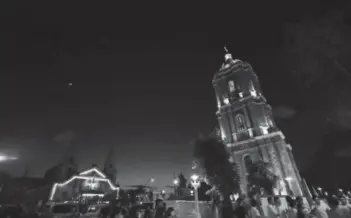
(141, 81)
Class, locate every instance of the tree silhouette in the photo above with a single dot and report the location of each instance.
(213, 157)
(182, 181)
(204, 187)
(259, 176)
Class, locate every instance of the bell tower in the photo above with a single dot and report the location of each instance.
(247, 126)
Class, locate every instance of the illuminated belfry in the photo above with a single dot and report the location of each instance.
(247, 126)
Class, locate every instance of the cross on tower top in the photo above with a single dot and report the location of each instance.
(225, 49)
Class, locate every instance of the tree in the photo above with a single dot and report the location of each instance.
(259, 176)
(182, 181)
(204, 187)
(213, 157)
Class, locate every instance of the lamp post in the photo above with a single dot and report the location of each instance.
(117, 192)
(195, 182)
(175, 183)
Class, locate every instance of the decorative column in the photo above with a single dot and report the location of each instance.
(274, 160)
(295, 180)
(275, 163)
(265, 154)
(242, 173)
(287, 171)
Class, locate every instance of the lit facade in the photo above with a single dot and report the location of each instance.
(247, 126)
(87, 185)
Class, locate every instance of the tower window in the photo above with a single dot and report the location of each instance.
(248, 162)
(231, 86)
(240, 122)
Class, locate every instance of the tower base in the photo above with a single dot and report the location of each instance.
(270, 148)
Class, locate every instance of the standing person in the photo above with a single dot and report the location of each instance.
(170, 213)
(277, 204)
(345, 202)
(118, 213)
(272, 209)
(253, 210)
(240, 210)
(291, 211)
(160, 209)
(148, 213)
(302, 211)
(135, 212)
(113, 210)
(338, 211)
(319, 210)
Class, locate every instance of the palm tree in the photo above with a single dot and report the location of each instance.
(213, 157)
(259, 176)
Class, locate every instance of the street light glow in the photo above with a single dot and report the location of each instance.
(175, 182)
(4, 158)
(194, 177)
(288, 178)
(195, 180)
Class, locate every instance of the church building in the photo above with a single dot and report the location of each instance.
(247, 126)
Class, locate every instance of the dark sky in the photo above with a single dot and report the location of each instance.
(141, 79)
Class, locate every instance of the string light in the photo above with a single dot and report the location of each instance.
(93, 170)
(81, 176)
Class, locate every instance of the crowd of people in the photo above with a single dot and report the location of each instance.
(117, 209)
(332, 207)
(244, 207)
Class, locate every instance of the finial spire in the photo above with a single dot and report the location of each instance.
(227, 55)
(225, 49)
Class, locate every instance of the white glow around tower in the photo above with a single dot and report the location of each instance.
(4, 158)
(264, 129)
(226, 101)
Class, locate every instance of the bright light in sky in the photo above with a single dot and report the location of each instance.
(4, 158)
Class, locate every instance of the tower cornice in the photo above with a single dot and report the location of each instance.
(254, 139)
(244, 100)
(234, 67)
